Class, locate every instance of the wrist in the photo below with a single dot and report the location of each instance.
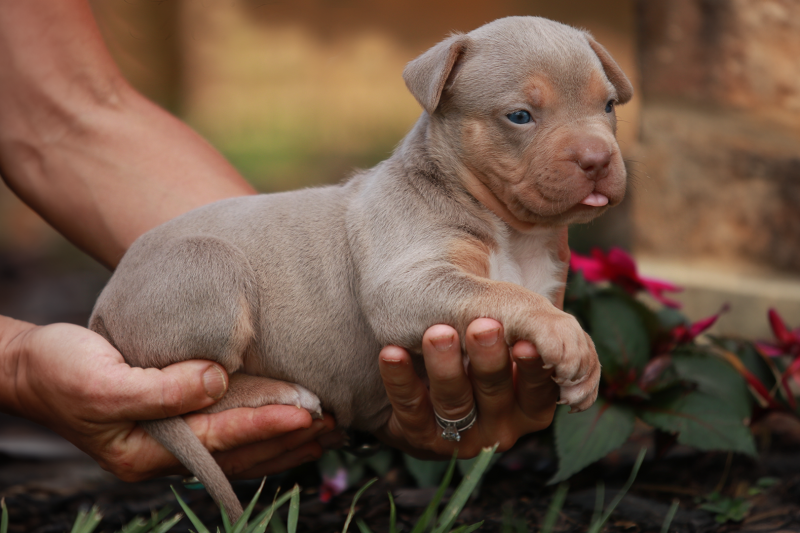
(13, 335)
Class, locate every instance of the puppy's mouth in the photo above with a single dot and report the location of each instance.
(595, 199)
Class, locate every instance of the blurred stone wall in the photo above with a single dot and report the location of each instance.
(716, 200)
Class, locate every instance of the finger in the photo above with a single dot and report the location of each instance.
(277, 454)
(412, 416)
(491, 370)
(134, 455)
(151, 393)
(536, 392)
(234, 428)
(450, 387)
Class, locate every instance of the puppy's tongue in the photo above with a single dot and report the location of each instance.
(595, 200)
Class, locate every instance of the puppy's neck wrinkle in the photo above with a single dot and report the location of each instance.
(425, 172)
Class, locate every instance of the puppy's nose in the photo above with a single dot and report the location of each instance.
(594, 161)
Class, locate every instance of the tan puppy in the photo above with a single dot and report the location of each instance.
(517, 140)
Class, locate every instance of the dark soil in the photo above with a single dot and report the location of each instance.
(45, 493)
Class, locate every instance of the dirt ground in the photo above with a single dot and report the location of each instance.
(46, 482)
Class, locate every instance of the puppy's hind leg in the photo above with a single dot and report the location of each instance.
(254, 391)
(175, 299)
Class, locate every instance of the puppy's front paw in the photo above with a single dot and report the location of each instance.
(565, 347)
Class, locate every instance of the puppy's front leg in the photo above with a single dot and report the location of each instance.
(439, 292)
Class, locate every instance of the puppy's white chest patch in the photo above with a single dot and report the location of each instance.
(528, 260)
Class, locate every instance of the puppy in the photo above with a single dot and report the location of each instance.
(297, 292)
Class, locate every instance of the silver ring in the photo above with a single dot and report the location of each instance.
(451, 429)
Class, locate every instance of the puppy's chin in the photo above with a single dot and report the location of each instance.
(577, 214)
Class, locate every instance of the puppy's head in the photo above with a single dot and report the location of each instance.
(523, 107)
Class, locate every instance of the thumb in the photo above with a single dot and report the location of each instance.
(152, 393)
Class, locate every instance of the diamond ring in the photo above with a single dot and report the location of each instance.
(451, 429)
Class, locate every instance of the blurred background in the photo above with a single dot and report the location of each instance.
(297, 93)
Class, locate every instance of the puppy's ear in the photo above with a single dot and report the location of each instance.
(427, 75)
(612, 70)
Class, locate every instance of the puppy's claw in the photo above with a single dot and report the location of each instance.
(547, 366)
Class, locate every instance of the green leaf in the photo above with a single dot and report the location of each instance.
(716, 378)
(425, 473)
(464, 490)
(468, 529)
(619, 333)
(190, 515)
(381, 462)
(669, 318)
(583, 438)
(242, 522)
(700, 420)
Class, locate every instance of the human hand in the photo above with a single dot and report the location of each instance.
(513, 393)
(73, 381)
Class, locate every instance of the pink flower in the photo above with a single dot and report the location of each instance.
(788, 341)
(618, 267)
(333, 486)
(683, 334)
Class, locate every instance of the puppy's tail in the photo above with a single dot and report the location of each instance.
(176, 436)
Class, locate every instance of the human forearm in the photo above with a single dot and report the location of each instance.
(97, 160)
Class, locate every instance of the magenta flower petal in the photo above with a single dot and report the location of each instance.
(770, 350)
(592, 269)
(779, 328)
(333, 486)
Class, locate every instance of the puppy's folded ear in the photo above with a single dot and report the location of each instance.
(612, 70)
(427, 75)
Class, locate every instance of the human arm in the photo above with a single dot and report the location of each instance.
(103, 165)
(93, 157)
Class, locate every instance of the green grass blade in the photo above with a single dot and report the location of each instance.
(190, 514)
(266, 515)
(459, 498)
(137, 525)
(597, 526)
(353, 505)
(226, 521)
(427, 515)
(3, 516)
(392, 515)
(599, 501)
(169, 524)
(87, 522)
(673, 509)
(294, 510)
(467, 529)
(277, 525)
(556, 504)
(242, 522)
(362, 526)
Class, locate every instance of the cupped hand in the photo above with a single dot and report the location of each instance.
(73, 381)
(513, 393)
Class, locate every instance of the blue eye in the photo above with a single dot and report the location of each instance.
(519, 117)
(610, 106)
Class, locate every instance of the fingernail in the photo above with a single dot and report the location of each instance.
(443, 343)
(488, 337)
(215, 382)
